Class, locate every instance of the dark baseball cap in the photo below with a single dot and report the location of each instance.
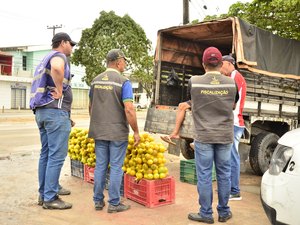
(229, 58)
(212, 55)
(62, 37)
(115, 54)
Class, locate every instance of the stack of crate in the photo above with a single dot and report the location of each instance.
(77, 169)
(188, 171)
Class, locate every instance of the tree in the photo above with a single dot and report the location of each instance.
(108, 32)
(278, 16)
(144, 74)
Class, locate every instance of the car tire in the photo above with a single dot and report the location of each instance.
(186, 149)
(261, 151)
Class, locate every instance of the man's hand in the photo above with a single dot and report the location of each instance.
(137, 138)
(56, 94)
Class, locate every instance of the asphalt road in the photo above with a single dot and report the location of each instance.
(19, 153)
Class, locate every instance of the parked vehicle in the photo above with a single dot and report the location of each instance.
(140, 100)
(139, 105)
(270, 65)
(280, 196)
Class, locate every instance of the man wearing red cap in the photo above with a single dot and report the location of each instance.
(213, 97)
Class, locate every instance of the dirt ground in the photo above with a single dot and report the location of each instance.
(19, 153)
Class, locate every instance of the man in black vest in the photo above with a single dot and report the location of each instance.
(213, 96)
(111, 109)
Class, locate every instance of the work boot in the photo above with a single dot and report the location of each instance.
(57, 204)
(117, 208)
(40, 200)
(198, 218)
(99, 205)
(223, 219)
(63, 191)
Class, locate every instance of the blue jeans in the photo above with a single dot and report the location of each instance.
(54, 126)
(235, 161)
(205, 155)
(112, 153)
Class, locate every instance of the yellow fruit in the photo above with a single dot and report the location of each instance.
(139, 175)
(132, 172)
(156, 176)
(138, 160)
(150, 161)
(149, 176)
(153, 166)
(162, 175)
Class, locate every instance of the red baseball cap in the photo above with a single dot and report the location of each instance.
(211, 55)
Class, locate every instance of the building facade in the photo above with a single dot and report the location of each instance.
(17, 65)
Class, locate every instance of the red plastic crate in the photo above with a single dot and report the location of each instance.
(89, 174)
(150, 193)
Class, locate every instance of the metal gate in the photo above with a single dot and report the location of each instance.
(18, 97)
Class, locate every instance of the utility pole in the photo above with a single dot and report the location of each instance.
(186, 16)
(54, 27)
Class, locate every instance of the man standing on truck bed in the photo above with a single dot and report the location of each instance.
(213, 97)
(228, 69)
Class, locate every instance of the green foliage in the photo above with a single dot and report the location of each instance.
(108, 32)
(144, 74)
(278, 16)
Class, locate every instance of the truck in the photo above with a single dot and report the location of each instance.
(270, 65)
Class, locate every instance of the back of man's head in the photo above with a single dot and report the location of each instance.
(114, 55)
(212, 57)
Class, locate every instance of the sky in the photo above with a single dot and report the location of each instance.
(25, 22)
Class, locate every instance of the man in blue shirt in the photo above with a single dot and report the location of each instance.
(111, 110)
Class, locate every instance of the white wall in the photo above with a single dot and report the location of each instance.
(5, 93)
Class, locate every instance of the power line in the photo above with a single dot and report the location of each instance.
(198, 12)
(204, 6)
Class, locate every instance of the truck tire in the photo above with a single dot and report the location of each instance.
(186, 149)
(261, 151)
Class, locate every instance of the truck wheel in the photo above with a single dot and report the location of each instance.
(186, 149)
(261, 152)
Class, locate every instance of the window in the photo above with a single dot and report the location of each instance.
(24, 63)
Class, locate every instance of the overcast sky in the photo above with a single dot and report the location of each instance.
(25, 22)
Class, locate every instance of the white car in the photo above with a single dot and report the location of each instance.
(140, 106)
(280, 185)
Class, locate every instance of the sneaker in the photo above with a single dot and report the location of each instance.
(198, 218)
(57, 204)
(99, 205)
(63, 191)
(223, 219)
(40, 200)
(117, 208)
(235, 197)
